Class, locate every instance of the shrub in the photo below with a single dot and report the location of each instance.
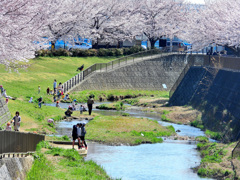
(92, 52)
(61, 52)
(102, 52)
(118, 52)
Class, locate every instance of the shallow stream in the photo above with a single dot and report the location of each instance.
(170, 160)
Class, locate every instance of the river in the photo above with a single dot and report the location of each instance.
(170, 160)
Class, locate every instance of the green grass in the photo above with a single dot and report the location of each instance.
(198, 123)
(82, 96)
(126, 130)
(40, 71)
(164, 117)
(202, 139)
(214, 135)
(211, 152)
(68, 165)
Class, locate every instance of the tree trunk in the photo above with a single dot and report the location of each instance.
(152, 42)
(95, 44)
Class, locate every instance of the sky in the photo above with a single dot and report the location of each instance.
(196, 1)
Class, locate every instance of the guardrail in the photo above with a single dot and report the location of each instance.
(16, 143)
(104, 67)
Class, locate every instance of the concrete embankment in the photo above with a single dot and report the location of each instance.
(155, 74)
(15, 168)
(216, 93)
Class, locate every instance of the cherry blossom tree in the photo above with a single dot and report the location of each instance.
(21, 22)
(65, 20)
(214, 23)
(105, 21)
(162, 18)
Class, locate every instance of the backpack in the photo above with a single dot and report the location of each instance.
(74, 131)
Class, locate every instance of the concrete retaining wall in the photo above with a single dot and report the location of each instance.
(145, 75)
(217, 94)
(5, 115)
(15, 168)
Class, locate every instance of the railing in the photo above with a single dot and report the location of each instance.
(104, 67)
(16, 143)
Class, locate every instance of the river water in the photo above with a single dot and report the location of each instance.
(170, 160)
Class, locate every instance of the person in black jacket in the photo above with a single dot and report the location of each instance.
(75, 135)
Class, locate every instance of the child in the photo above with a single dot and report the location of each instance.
(51, 92)
(16, 121)
(74, 103)
(57, 104)
(63, 96)
(39, 89)
(81, 109)
(48, 91)
(8, 127)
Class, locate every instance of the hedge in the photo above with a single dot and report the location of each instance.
(89, 52)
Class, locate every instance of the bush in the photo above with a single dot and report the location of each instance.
(92, 52)
(102, 52)
(118, 52)
(89, 52)
(61, 52)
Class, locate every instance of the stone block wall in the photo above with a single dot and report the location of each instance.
(145, 75)
(5, 114)
(217, 94)
(15, 168)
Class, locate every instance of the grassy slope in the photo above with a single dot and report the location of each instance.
(41, 71)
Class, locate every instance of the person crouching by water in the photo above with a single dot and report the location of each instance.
(75, 135)
(16, 121)
(90, 103)
(82, 137)
(69, 112)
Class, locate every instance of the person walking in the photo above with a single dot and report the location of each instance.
(54, 85)
(16, 121)
(82, 137)
(90, 103)
(40, 102)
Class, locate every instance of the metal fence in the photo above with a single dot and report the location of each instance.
(220, 62)
(104, 67)
(12, 142)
